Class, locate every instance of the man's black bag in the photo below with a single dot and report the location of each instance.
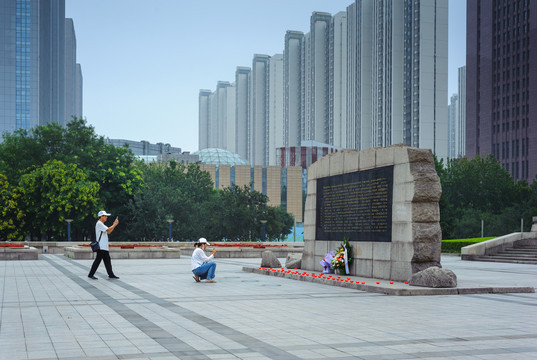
(95, 244)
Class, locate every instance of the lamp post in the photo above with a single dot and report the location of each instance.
(170, 228)
(69, 221)
(263, 232)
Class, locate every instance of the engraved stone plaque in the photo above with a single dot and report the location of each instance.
(357, 205)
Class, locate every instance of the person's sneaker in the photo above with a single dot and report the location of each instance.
(197, 278)
(93, 277)
(113, 277)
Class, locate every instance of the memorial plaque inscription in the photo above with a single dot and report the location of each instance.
(356, 205)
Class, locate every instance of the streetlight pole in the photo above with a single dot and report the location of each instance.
(170, 229)
(263, 232)
(69, 221)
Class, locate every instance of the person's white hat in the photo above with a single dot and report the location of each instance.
(203, 241)
(102, 212)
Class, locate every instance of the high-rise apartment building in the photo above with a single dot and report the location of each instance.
(242, 111)
(220, 135)
(316, 64)
(453, 125)
(337, 107)
(40, 82)
(275, 108)
(457, 118)
(374, 75)
(293, 82)
(501, 84)
(259, 106)
(204, 111)
(73, 84)
(399, 75)
(461, 128)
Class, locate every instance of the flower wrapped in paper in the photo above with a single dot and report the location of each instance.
(326, 262)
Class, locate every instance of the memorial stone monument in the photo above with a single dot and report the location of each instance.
(385, 201)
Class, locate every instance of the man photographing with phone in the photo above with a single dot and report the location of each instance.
(101, 234)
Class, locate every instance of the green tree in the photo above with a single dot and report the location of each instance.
(480, 189)
(279, 223)
(242, 211)
(54, 192)
(181, 192)
(114, 169)
(10, 214)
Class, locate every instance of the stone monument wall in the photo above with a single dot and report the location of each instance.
(392, 222)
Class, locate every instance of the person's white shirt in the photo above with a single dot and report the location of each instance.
(103, 243)
(199, 258)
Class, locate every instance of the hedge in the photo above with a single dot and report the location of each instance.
(454, 246)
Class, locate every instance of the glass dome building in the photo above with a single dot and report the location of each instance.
(216, 156)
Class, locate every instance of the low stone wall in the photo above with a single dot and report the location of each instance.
(230, 250)
(18, 253)
(154, 252)
(493, 246)
(249, 252)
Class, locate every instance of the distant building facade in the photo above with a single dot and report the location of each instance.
(283, 186)
(304, 155)
(501, 92)
(40, 81)
(144, 147)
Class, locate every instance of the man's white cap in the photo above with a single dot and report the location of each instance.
(102, 212)
(203, 241)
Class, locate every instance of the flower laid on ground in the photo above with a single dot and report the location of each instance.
(343, 257)
(326, 262)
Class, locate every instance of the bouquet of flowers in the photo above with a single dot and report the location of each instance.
(343, 257)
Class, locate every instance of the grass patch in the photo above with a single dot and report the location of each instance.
(454, 246)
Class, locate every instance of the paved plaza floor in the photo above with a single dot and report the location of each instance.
(51, 310)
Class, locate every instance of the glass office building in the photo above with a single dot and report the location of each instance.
(35, 56)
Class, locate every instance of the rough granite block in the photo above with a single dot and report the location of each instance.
(425, 212)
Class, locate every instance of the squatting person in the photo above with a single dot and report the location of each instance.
(202, 266)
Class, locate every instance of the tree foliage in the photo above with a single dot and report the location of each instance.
(11, 217)
(54, 192)
(27, 152)
(174, 191)
(480, 189)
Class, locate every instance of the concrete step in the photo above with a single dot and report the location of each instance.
(515, 254)
(503, 256)
(501, 260)
(521, 250)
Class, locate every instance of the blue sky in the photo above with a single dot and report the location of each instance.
(144, 62)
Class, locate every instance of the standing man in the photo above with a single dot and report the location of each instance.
(101, 232)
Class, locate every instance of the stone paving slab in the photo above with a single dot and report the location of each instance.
(49, 309)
